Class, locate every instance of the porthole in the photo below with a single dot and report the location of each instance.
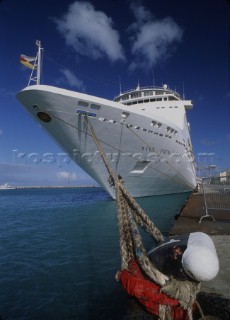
(44, 116)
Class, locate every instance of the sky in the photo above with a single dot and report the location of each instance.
(98, 46)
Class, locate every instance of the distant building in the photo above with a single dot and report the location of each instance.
(225, 175)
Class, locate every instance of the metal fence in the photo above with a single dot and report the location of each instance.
(216, 192)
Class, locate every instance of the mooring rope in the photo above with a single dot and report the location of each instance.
(129, 215)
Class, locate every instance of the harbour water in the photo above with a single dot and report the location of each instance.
(60, 252)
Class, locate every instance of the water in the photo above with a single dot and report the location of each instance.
(59, 252)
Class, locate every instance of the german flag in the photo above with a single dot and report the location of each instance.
(25, 60)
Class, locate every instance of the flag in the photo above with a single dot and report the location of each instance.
(25, 60)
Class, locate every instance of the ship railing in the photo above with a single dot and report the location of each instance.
(168, 90)
(216, 191)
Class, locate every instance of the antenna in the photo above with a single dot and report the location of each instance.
(120, 84)
(38, 44)
(183, 91)
(37, 65)
(153, 78)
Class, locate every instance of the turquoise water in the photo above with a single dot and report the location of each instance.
(60, 252)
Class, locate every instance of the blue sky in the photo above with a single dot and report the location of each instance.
(89, 46)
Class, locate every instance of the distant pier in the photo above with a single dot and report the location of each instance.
(215, 295)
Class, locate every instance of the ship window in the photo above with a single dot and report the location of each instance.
(136, 127)
(112, 121)
(144, 129)
(140, 167)
(102, 119)
(152, 100)
(165, 99)
(83, 104)
(135, 95)
(125, 97)
(140, 101)
(147, 100)
(153, 123)
(95, 106)
(148, 93)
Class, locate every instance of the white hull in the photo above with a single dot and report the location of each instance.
(147, 144)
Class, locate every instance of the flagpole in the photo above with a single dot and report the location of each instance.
(38, 43)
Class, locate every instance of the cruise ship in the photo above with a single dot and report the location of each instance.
(144, 133)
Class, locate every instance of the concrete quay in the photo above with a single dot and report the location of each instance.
(215, 295)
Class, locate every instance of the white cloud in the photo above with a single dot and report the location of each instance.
(90, 32)
(152, 39)
(66, 175)
(140, 13)
(209, 142)
(72, 80)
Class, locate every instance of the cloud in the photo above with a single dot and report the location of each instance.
(209, 142)
(66, 175)
(72, 80)
(6, 93)
(152, 40)
(90, 32)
